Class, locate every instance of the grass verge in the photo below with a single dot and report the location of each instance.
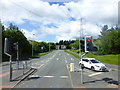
(109, 59)
(41, 54)
(76, 56)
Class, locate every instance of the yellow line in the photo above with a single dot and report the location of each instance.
(70, 77)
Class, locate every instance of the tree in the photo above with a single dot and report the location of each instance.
(109, 41)
(16, 35)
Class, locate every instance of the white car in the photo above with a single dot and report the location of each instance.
(92, 64)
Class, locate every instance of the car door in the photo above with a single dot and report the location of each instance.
(85, 62)
(89, 64)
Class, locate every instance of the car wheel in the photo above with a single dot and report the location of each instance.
(82, 66)
(79, 64)
(92, 68)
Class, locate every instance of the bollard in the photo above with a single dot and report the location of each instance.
(71, 67)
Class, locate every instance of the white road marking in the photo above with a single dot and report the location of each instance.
(50, 76)
(63, 76)
(94, 74)
(57, 58)
(47, 76)
(32, 76)
(33, 67)
(40, 66)
(72, 59)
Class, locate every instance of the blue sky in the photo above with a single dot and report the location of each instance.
(54, 20)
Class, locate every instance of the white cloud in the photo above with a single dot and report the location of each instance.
(94, 12)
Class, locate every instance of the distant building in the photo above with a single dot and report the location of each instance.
(57, 47)
(63, 46)
(60, 47)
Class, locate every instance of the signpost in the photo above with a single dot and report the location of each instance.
(7, 49)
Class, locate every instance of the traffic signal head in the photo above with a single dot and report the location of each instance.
(9, 46)
(89, 47)
(82, 45)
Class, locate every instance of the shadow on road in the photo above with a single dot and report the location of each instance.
(107, 80)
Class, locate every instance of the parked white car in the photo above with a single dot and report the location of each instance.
(92, 64)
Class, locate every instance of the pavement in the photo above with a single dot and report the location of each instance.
(17, 74)
(53, 72)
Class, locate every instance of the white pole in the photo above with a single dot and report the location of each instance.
(80, 50)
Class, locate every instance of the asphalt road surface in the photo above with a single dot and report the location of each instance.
(53, 72)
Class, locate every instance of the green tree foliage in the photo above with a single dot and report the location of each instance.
(75, 44)
(37, 46)
(16, 35)
(109, 40)
(66, 43)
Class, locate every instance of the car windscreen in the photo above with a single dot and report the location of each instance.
(94, 61)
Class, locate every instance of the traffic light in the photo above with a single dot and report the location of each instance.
(82, 46)
(9, 46)
(89, 47)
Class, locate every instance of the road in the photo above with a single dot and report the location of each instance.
(52, 72)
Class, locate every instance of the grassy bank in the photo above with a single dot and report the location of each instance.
(41, 54)
(109, 59)
(76, 56)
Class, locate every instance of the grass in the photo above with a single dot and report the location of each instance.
(76, 56)
(41, 54)
(76, 51)
(109, 59)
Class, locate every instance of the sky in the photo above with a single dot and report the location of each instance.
(55, 20)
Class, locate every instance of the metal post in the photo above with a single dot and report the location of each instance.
(10, 61)
(10, 68)
(32, 49)
(80, 50)
(17, 56)
(23, 67)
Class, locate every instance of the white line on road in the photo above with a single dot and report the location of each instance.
(57, 58)
(48, 76)
(94, 74)
(51, 76)
(63, 76)
(72, 59)
(40, 66)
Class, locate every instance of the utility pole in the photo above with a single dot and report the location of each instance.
(80, 54)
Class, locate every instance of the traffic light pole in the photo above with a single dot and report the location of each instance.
(80, 49)
(10, 61)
